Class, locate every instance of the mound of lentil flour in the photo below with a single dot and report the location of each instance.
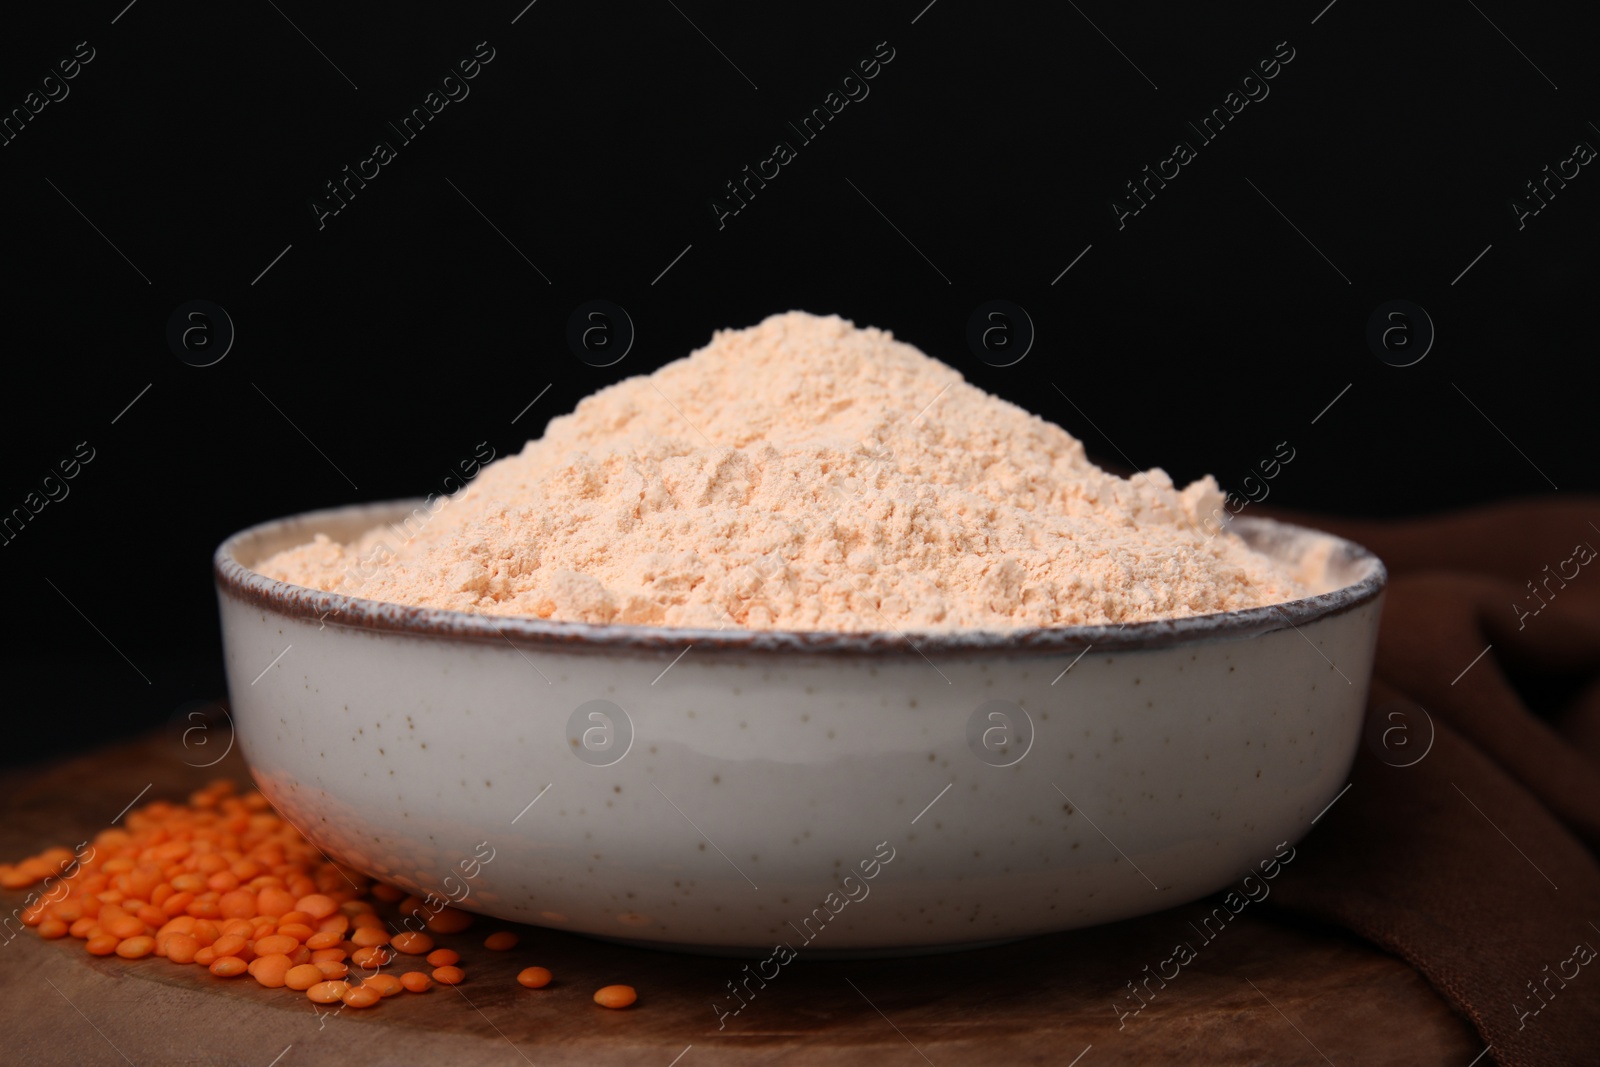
(804, 474)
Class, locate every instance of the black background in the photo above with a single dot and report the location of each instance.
(407, 329)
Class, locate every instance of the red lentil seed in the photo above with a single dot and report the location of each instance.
(361, 997)
(270, 970)
(369, 936)
(412, 943)
(304, 977)
(181, 948)
(274, 944)
(223, 882)
(370, 958)
(328, 992)
(131, 948)
(228, 966)
(615, 996)
(317, 905)
(533, 977)
(102, 945)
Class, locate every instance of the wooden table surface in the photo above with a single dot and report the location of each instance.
(1318, 996)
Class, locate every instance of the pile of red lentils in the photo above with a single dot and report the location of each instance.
(224, 883)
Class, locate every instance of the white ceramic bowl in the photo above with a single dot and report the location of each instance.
(841, 793)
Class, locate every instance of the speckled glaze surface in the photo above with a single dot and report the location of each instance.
(838, 793)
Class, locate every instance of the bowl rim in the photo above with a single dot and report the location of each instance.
(242, 583)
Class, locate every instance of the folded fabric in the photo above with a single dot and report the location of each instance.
(1467, 842)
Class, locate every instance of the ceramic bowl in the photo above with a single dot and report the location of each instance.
(728, 791)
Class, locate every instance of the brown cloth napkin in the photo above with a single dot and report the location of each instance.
(1476, 862)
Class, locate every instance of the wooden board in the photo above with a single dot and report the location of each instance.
(1317, 994)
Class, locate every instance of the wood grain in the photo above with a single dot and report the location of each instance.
(1267, 990)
